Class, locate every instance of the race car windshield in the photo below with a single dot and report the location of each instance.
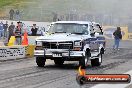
(69, 28)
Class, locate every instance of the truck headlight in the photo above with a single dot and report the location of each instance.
(77, 43)
(38, 43)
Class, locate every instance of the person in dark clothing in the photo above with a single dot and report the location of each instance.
(18, 33)
(11, 30)
(34, 30)
(5, 26)
(1, 30)
(11, 12)
(17, 13)
(117, 37)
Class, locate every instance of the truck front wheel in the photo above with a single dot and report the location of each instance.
(40, 61)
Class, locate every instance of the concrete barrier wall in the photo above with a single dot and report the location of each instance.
(30, 50)
(129, 35)
(12, 52)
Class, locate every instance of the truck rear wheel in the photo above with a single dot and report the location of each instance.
(96, 61)
(40, 61)
(58, 62)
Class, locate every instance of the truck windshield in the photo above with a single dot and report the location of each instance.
(69, 28)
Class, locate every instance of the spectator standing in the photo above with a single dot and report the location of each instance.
(34, 30)
(1, 29)
(11, 12)
(117, 37)
(11, 30)
(5, 26)
(17, 13)
(18, 33)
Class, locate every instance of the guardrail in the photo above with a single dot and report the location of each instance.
(12, 52)
(129, 35)
(16, 51)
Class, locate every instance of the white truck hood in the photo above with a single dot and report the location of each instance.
(60, 37)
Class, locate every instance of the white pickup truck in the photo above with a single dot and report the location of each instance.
(71, 41)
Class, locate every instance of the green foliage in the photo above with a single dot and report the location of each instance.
(9, 2)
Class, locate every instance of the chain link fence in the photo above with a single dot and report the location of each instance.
(40, 14)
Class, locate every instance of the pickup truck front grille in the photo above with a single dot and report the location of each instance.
(94, 45)
(58, 45)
